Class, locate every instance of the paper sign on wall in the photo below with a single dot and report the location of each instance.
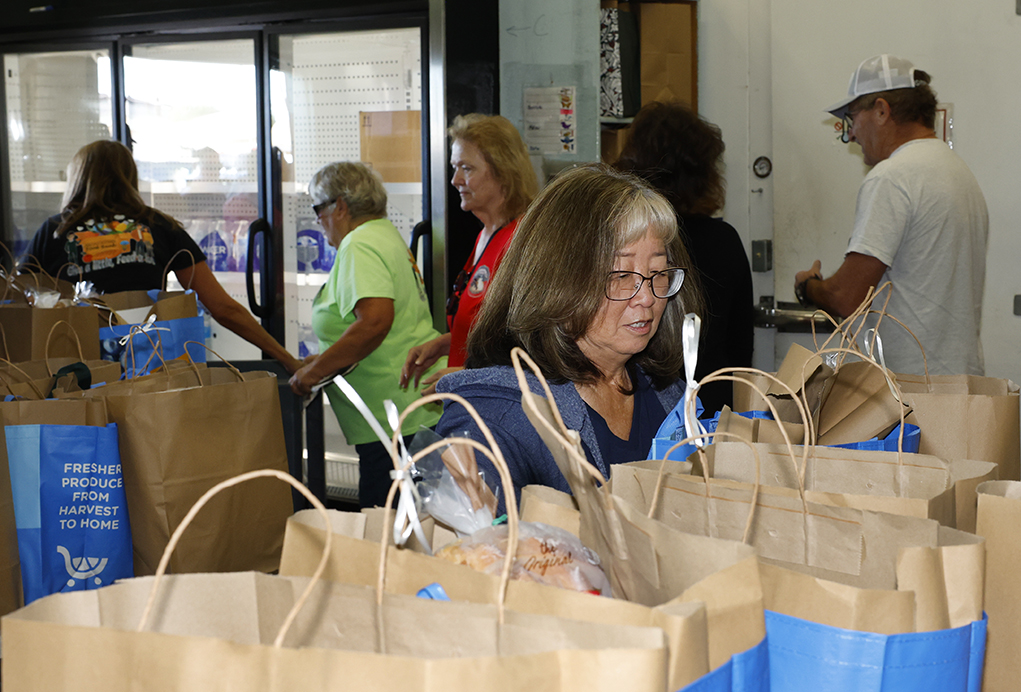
(549, 122)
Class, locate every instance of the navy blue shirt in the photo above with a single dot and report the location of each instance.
(646, 418)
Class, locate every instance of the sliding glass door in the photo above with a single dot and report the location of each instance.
(56, 103)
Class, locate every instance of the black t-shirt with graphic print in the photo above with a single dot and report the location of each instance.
(122, 254)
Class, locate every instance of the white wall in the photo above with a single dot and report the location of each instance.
(973, 52)
(734, 90)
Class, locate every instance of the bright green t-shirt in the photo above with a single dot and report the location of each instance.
(373, 262)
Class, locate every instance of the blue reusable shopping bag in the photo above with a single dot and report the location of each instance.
(912, 435)
(170, 336)
(671, 431)
(747, 671)
(70, 509)
(806, 657)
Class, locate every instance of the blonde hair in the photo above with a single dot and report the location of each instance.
(501, 146)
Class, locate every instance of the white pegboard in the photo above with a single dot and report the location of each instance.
(331, 78)
(54, 107)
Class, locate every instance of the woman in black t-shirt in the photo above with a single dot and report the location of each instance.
(681, 155)
(108, 235)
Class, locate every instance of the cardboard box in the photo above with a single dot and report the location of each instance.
(391, 144)
(612, 141)
(668, 59)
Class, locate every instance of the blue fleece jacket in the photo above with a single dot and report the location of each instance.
(494, 393)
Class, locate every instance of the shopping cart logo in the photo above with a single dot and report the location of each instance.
(82, 567)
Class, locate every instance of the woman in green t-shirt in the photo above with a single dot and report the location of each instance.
(371, 310)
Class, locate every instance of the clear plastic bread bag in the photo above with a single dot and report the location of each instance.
(454, 492)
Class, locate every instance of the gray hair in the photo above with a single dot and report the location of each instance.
(356, 184)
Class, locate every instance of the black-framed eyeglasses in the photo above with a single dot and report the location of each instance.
(320, 208)
(626, 285)
(849, 116)
(845, 132)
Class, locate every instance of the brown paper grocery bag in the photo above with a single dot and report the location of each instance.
(271, 633)
(916, 485)
(28, 330)
(999, 516)
(967, 417)
(353, 558)
(39, 379)
(47, 366)
(802, 372)
(102, 371)
(547, 505)
(863, 550)
(668, 64)
(758, 429)
(215, 632)
(134, 307)
(647, 561)
(859, 405)
(848, 401)
(180, 433)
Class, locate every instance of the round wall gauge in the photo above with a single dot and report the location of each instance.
(762, 167)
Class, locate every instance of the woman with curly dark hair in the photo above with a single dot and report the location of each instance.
(681, 155)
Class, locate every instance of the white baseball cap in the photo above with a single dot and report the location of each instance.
(878, 73)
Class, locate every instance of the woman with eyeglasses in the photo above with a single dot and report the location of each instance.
(496, 182)
(594, 288)
(681, 155)
(370, 311)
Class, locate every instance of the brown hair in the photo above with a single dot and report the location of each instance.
(679, 154)
(501, 146)
(102, 182)
(552, 281)
(915, 105)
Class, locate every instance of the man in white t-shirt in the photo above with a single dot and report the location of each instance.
(920, 223)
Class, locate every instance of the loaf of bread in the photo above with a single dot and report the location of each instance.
(545, 554)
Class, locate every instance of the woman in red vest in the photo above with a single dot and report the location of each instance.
(496, 182)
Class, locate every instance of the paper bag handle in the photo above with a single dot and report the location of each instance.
(563, 433)
(864, 309)
(729, 374)
(3, 338)
(925, 360)
(157, 346)
(223, 360)
(49, 338)
(28, 378)
(653, 505)
(898, 396)
(492, 452)
(179, 531)
(166, 270)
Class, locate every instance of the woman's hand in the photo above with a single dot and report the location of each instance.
(430, 382)
(305, 377)
(421, 358)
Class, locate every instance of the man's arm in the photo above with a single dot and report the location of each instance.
(842, 293)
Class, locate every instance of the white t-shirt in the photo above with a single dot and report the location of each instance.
(922, 214)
